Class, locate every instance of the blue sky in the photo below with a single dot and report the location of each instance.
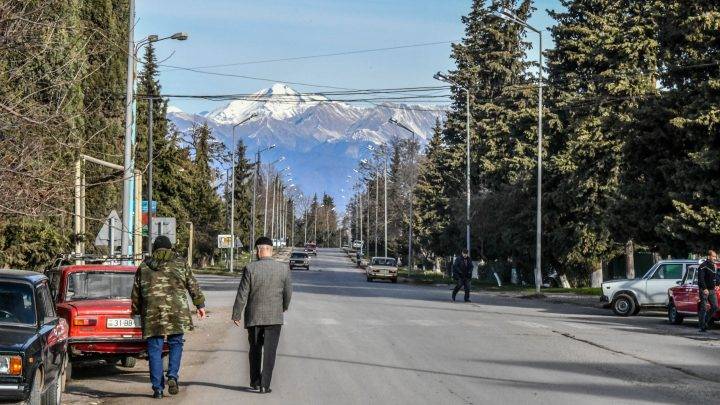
(230, 31)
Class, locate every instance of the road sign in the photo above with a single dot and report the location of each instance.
(145, 206)
(224, 241)
(164, 226)
(111, 231)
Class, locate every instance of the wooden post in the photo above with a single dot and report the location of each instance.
(190, 245)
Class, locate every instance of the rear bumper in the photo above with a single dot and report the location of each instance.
(381, 275)
(93, 346)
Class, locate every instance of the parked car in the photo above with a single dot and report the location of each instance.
(684, 298)
(382, 268)
(33, 340)
(358, 244)
(94, 299)
(628, 297)
(299, 259)
(311, 249)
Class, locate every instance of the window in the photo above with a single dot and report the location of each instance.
(46, 308)
(92, 285)
(299, 255)
(669, 272)
(16, 303)
(54, 277)
(383, 261)
(690, 276)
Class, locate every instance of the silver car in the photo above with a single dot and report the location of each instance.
(382, 268)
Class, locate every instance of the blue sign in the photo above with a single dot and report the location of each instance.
(145, 206)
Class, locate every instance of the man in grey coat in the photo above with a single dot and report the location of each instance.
(262, 298)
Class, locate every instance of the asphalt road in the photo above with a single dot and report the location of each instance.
(347, 341)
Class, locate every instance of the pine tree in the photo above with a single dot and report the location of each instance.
(691, 50)
(599, 72)
(243, 193)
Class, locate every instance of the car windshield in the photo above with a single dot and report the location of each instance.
(383, 261)
(16, 303)
(299, 255)
(92, 285)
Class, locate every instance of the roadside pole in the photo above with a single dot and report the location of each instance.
(150, 144)
(190, 245)
(138, 248)
(129, 141)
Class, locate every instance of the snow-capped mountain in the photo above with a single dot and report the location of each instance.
(322, 140)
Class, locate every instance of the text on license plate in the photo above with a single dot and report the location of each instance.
(121, 323)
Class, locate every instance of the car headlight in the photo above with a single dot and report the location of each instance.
(11, 365)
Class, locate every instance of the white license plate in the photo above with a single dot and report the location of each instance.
(121, 323)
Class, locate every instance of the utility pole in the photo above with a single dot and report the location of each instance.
(385, 204)
(150, 144)
(190, 245)
(377, 193)
(267, 189)
(256, 171)
(128, 164)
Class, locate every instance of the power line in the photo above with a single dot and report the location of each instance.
(322, 55)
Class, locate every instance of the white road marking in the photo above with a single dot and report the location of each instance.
(577, 325)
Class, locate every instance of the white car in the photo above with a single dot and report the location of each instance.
(627, 297)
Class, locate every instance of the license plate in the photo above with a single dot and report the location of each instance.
(121, 323)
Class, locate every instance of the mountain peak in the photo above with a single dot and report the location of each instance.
(278, 89)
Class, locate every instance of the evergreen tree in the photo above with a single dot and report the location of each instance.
(690, 52)
(599, 73)
(243, 193)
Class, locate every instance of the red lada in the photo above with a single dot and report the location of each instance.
(95, 301)
(684, 299)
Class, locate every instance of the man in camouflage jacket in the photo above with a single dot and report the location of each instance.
(159, 298)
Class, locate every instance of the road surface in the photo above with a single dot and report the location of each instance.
(347, 341)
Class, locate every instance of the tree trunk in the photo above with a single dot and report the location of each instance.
(596, 277)
(630, 259)
(564, 283)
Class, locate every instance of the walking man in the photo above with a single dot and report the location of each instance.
(262, 298)
(462, 273)
(159, 298)
(707, 284)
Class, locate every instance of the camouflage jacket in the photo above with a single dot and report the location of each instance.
(159, 296)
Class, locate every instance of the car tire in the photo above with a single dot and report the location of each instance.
(54, 392)
(673, 316)
(393, 280)
(35, 397)
(623, 305)
(369, 279)
(128, 362)
(68, 370)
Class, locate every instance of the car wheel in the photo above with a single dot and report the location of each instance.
(673, 316)
(68, 370)
(369, 279)
(393, 280)
(623, 305)
(54, 393)
(128, 362)
(35, 397)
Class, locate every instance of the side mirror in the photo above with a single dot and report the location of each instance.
(679, 282)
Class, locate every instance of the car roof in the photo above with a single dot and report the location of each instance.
(22, 275)
(97, 267)
(382, 257)
(678, 261)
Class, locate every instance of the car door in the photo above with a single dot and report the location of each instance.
(680, 292)
(689, 291)
(52, 351)
(657, 283)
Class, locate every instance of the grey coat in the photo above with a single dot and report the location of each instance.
(264, 293)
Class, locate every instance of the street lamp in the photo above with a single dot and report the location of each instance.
(508, 15)
(267, 185)
(252, 209)
(410, 194)
(232, 192)
(443, 78)
(128, 161)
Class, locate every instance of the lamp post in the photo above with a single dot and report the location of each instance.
(256, 169)
(232, 193)
(511, 17)
(410, 193)
(126, 241)
(443, 78)
(267, 188)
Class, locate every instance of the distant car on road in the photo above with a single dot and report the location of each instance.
(684, 298)
(311, 249)
(299, 259)
(382, 268)
(358, 244)
(33, 340)
(94, 299)
(627, 297)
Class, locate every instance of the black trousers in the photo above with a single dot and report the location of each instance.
(463, 283)
(263, 348)
(704, 316)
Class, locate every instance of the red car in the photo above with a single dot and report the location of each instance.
(95, 302)
(311, 249)
(684, 299)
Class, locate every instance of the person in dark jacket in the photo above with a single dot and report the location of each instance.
(462, 273)
(262, 298)
(707, 283)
